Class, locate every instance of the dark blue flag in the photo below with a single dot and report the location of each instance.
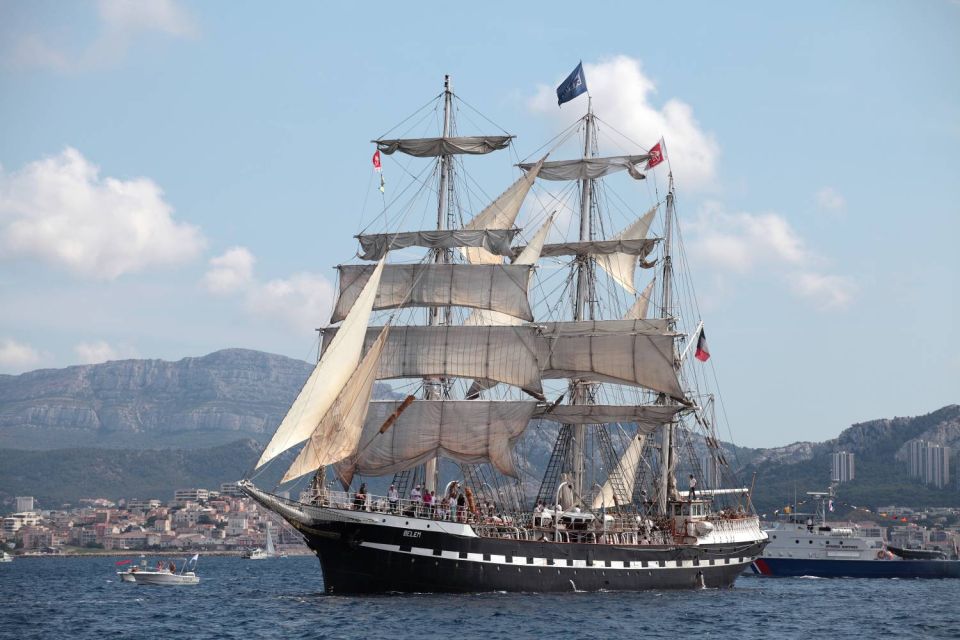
(574, 85)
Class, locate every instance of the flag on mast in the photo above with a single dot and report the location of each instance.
(379, 169)
(574, 85)
(656, 155)
(703, 353)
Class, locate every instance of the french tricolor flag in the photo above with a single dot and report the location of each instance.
(703, 353)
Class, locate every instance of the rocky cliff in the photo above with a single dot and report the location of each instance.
(211, 400)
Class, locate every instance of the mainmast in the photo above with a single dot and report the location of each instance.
(583, 303)
(667, 480)
(434, 387)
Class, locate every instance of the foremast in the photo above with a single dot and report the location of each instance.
(436, 388)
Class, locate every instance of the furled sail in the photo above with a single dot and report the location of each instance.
(639, 309)
(338, 433)
(496, 241)
(433, 147)
(630, 352)
(340, 359)
(470, 432)
(640, 248)
(503, 354)
(647, 417)
(627, 470)
(589, 168)
(501, 214)
(621, 266)
(501, 288)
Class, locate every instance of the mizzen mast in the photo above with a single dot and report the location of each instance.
(667, 461)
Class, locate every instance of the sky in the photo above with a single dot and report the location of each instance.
(178, 178)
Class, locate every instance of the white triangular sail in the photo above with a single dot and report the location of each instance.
(501, 214)
(271, 550)
(621, 266)
(640, 307)
(339, 360)
(627, 470)
(338, 433)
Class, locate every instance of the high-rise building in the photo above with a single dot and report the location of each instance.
(24, 503)
(938, 466)
(929, 462)
(917, 457)
(842, 469)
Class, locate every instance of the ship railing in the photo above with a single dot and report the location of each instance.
(400, 506)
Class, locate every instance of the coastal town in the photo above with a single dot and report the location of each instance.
(225, 521)
(197, 520)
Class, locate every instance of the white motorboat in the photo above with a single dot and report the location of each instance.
(162, 576)
(5, 557)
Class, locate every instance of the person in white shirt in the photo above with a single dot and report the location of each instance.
(393, 498)
(693, 488)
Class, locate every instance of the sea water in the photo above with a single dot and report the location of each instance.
(283, 598)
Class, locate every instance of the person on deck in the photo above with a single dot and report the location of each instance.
(428, 497)
(692, 494)
(360, 499)
(417, 499)
(461, 508)
(393, 498)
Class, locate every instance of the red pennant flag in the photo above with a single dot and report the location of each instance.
(703, 353)
(656, 156)
(123, 562)
(376, 160)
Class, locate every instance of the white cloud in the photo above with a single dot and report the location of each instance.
(622, 96)
(745, 243)
(121, 23)
(101, 351)
(61, 211)
(129, 17)
(830, 199)
(742, 241)
(17, 356)
(303, 301)
(826, 290)
(230, 272)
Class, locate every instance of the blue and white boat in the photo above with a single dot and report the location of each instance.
(804, 544)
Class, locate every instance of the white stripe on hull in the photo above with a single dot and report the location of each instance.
(574, 563)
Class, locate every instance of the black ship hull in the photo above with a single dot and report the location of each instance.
(364, 558)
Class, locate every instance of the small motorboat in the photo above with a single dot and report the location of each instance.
(162, 574)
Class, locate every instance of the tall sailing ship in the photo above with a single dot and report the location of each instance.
(497, 341)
